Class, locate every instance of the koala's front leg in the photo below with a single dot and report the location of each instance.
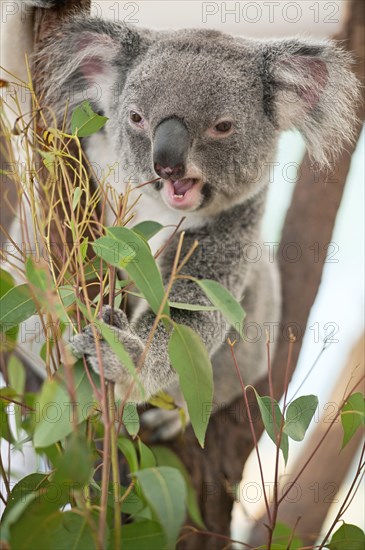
(85, 344)
(154, 373)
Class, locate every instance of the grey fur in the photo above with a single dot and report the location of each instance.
(200, 76)
(44, 3)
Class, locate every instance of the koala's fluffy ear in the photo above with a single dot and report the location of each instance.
(88, 59)
(310, 86)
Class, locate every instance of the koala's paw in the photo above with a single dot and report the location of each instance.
(163, 424)
(85, 344)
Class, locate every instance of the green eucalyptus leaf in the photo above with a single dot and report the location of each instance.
(191, 307)
(74, 532)
(273, 420)
(147, 229)
(55, 410)
(30, 484)
(37, 275)
(146, 535)
(347, 537)
(32, 504)
(299, 415)
(163, 400)
(16, 374)
(49, 161)
(6, 395)
(77, 451)
(165, 457)
(283, 534)
(143, 269)
(113, 252)
(131, 418)
(84, 247)
(94, 268)
(84, 122)
(16, 306)
(352, 416)
(14, 514)
(56, 530)
(190, 359)
(164, 490)
(67, 295)
(129, 451)
(9, 337)
(6, 282)
(45, 290)
(76, 198)
(132, 504)
(146, 457)
(223, 300)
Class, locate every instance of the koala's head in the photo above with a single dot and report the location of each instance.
(202, 110)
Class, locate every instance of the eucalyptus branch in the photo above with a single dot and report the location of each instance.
(252, 428)
(115, 467)
(278, 438)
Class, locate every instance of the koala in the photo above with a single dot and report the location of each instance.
(200, 111)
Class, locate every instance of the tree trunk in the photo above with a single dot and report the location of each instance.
(48, 23)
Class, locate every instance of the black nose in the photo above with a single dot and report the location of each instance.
(170, 148)
(168, 172)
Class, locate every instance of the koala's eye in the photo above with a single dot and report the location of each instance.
(223, 127)
(136, 118)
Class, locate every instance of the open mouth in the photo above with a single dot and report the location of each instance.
(183, 194)
(181, 187)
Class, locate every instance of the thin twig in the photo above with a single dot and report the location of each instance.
(195, 531)
(5, 477)
(231, 345)
(278, 437)
(115, 468)
(341, 510)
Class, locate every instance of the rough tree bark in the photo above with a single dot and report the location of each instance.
(7, 187)
(48, 23)
(311, 218)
